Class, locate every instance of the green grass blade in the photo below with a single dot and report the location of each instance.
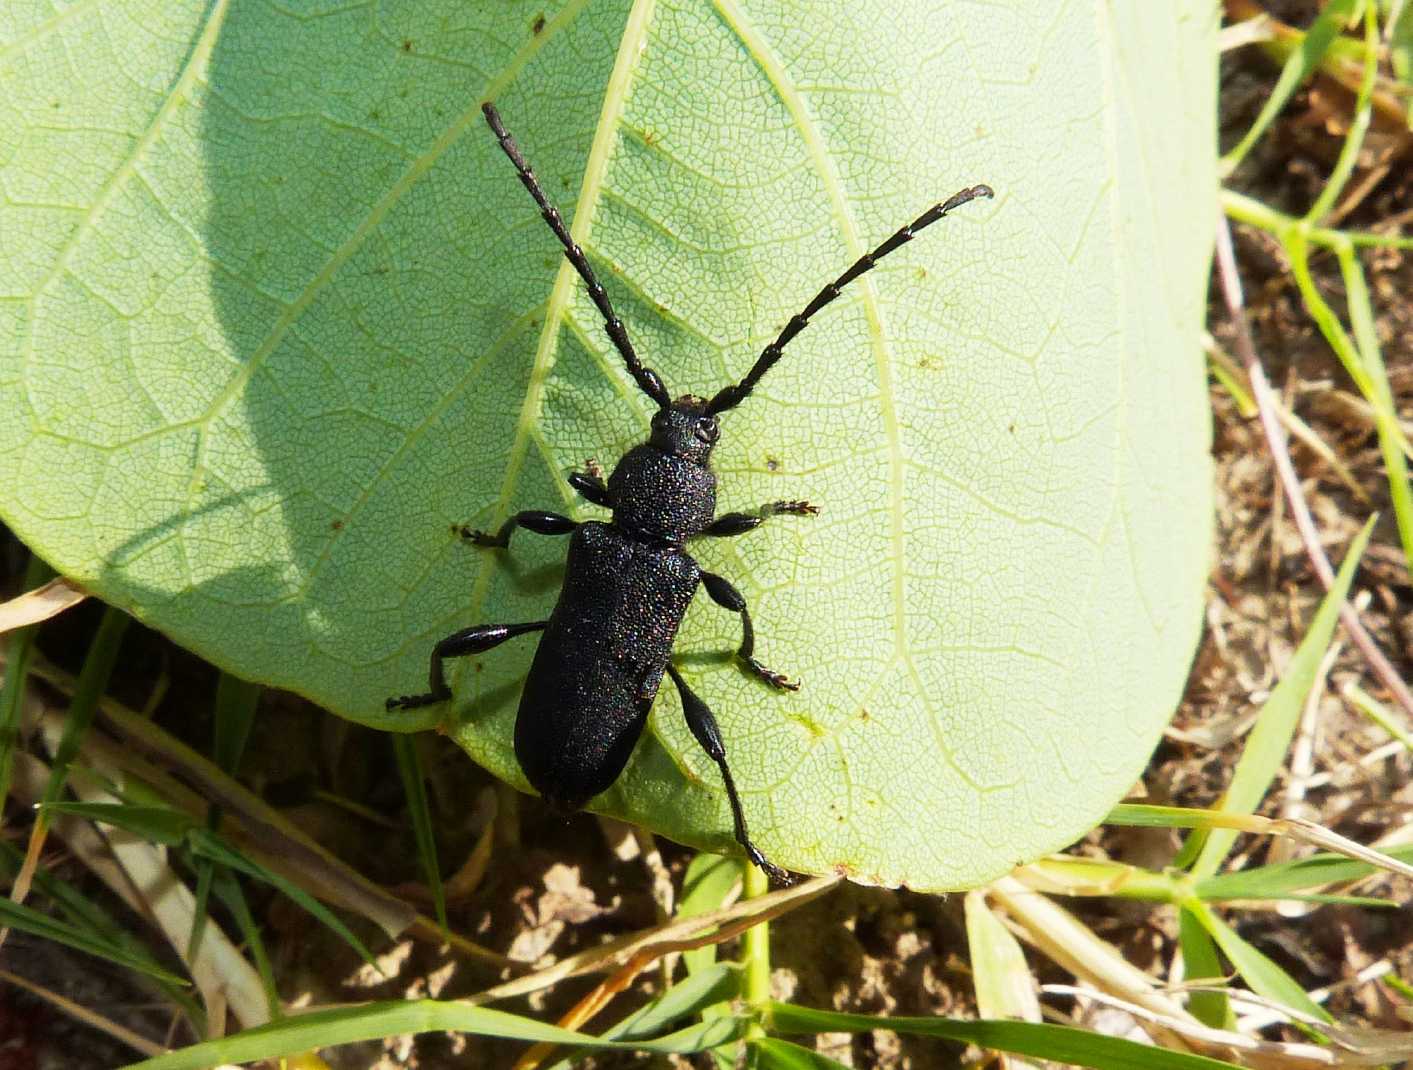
(201, 906)
(698, 993)
(1295, 239)
(1201, 963)
(92, 683)
(373, 1021)
(1145, 815)
(414, 786)
(156, 824)
(1327, 900)
(1056, 1042)
(709, 880)
(1380, 714)
(772, 1053)
(36, 923)
(1399, 985)
(19, 647)
(85, 915)
(206, 845)
(1256, 969)
(1298, 67)
(234, 714)
(171, 827)
(1243, 209)
(1400, 50)
(236, 700)
(1280, 879)
(1230, 381)
(78, 910)
(719, 982)
(229, 892)
(1354, 138)
(1366, 339)
(1266, 746)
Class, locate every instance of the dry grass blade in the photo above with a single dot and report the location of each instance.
(596, 1000)
(221, 972)
(680, 934)
(1294, 424)
(1068, 941)
(1319, 836)
(38, 605)
(1347, 1047)
(86, 1016)
(1290, 483)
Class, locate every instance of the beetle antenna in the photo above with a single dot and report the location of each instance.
(731, 396)
(648, 380)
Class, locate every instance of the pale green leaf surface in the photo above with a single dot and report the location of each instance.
(275, 313)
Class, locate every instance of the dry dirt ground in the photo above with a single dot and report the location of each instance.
(565, 885)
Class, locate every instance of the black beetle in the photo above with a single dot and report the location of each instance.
(627, 583)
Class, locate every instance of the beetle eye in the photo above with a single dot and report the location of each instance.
(707, 431)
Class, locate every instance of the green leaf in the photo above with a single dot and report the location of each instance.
(1256, 968)
(155, 824)
(1062, 1044)
(275, 314)
(699, 993)
(1001, 978)
(1265, 748)
(705, 886)
(28, 920)
(777, 1054)
(1200, 963)
(369, 1021)
(414, 787)
(1282, 878)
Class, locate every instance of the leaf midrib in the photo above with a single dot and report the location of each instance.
(794, 102)
(566, 279)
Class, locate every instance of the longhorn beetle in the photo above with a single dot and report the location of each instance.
(627, 583)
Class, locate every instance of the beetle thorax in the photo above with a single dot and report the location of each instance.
(664, 490)
(661, 497)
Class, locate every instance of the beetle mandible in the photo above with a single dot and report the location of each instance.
(627, 583)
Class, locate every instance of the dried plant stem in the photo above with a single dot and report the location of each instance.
(1285, 471)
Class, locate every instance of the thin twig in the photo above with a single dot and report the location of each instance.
(1285, 471)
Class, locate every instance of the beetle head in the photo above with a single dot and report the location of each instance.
(685, 429)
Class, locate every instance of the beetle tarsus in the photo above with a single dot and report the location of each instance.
(777, 680)
(477, 537)
(795, 508)
(774, 873)
(412, 702)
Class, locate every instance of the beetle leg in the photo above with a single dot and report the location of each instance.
(536, 520)
(703, 725)
(726, 596)
(729, 524)
(590, 485)
(458, 645)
